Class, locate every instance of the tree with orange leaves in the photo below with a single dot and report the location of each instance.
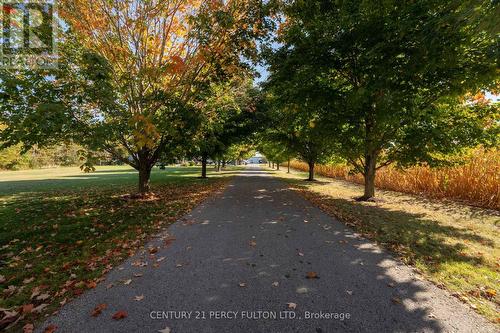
(131, 73)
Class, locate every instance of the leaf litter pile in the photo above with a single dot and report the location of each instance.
(56, 245)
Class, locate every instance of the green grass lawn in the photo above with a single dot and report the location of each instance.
(61, 229)
(453, 245)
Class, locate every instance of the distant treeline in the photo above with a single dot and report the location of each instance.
(65, 154)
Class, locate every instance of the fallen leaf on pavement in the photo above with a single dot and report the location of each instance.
(396, 300)
(165, 330)
(138, 274)
(50, 329)
(120, 315)
(139, 298)
(301, 254)
(275, 283)
(312, 275)
(127, 282)
(349, 292)
(292, 305)
(252, 243)
(168, 241)
(98, 309)
(243, 284)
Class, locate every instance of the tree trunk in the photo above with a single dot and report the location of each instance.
(369, 175)
(144, 176)
(204, 166)
(278, 166)
(218, 166)
(273, 164)
(370, 157)
(311, 171)
(223, 164)
(288, 166)
(269, 163)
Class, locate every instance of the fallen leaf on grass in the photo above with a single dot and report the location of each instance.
(120, 315)
(8, 318)
(98, 309)
(28, 328)
(2, 279)
(292, 305)
(50, 329)
(91, 284)
(26, 281)
(312, 275)
(43, 297)
(27, 308)
(39, 308)
(139, 298)
(9, 291)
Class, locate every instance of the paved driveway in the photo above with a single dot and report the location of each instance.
(240, 258)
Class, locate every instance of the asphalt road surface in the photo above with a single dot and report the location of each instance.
(239, 260)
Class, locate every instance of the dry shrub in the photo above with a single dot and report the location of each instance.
(477, 182)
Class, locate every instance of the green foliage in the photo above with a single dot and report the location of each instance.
(389, 77)
(229, 117)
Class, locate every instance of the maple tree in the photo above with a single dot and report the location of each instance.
(129, 76)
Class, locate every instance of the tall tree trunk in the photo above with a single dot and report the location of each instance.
(278, 166)
(223, 164)
(369, 175)
(273, 164)
(204, 166)
(370, 156)
(311, 171)
(218, 165)
(144, 176)
(269, 163)
(288, 171)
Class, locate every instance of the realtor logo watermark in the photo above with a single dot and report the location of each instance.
(28, 34)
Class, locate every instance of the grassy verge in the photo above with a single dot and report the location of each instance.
(61, 230)
(453, 245)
